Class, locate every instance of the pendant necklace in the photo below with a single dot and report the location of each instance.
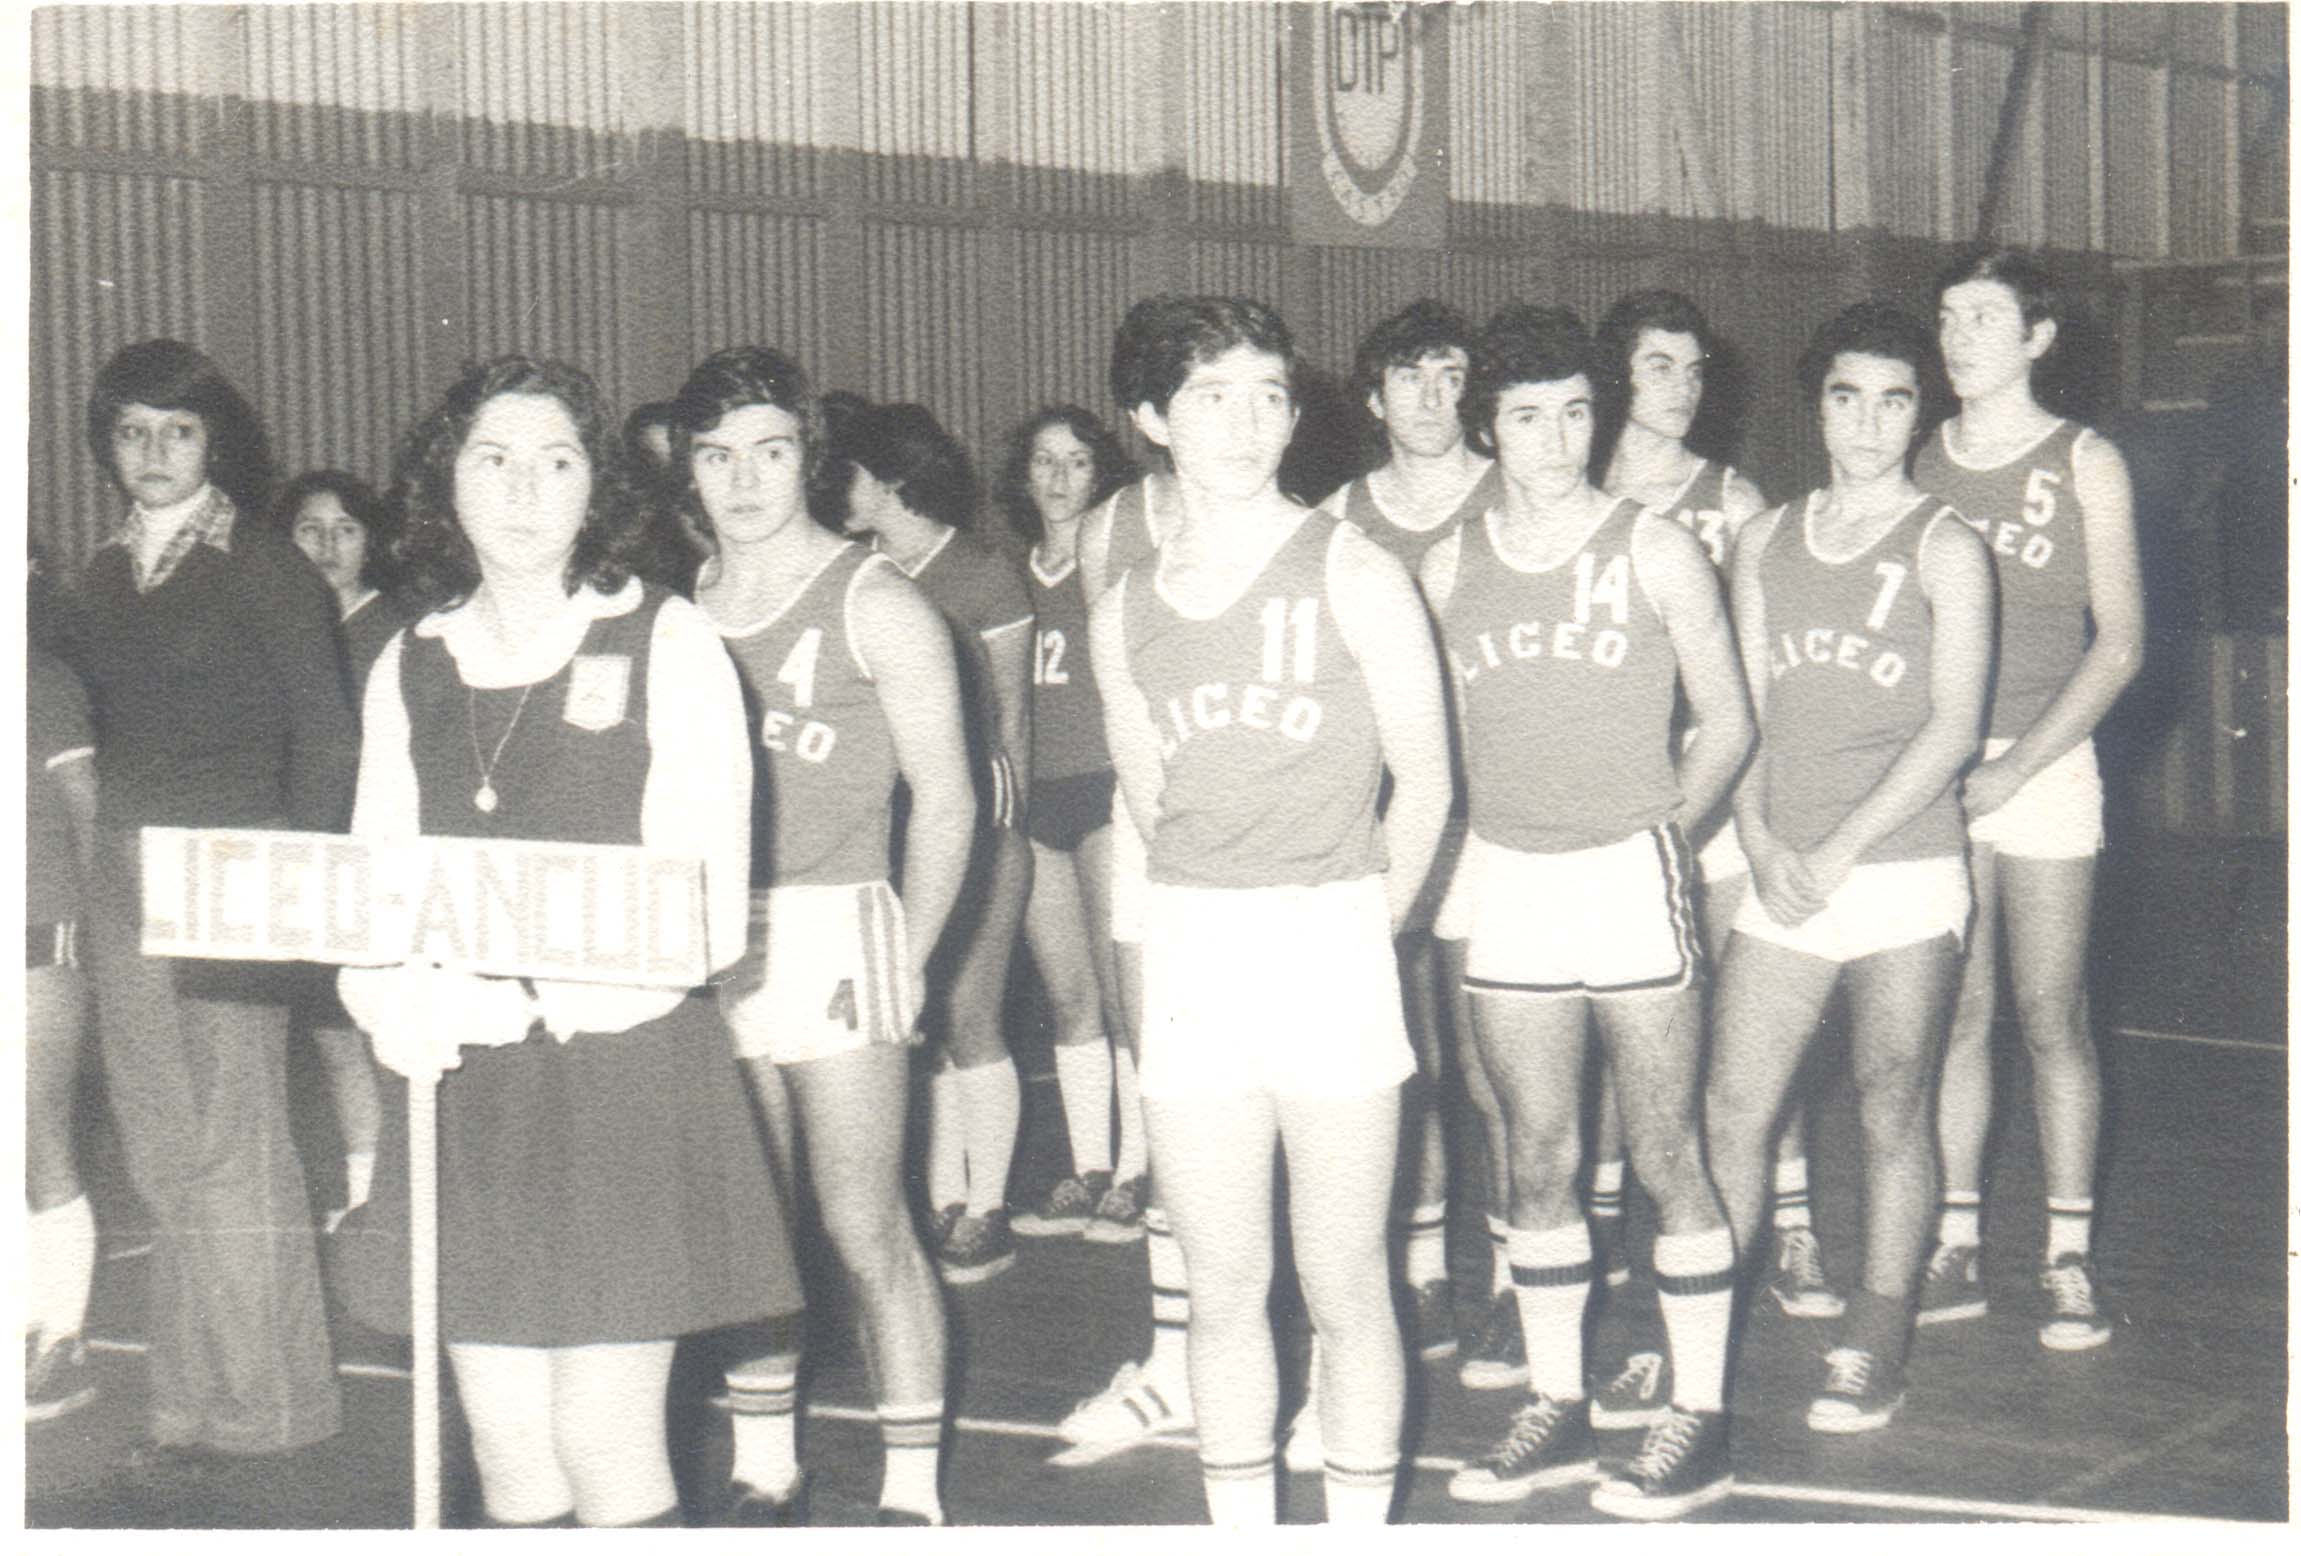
(485, 796)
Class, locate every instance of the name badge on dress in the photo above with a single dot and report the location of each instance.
(598, 687)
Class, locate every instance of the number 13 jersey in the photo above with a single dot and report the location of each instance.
(1264, 725)
(824, 759)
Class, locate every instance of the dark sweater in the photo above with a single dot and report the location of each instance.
(219, 696)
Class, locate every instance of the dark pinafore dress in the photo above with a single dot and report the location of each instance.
(611, 1187)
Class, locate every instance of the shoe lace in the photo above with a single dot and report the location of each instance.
(1946, 1261)
(1667, 1441)
(1849, 1371)
(1531, 1425)
(2071, 1288)
(1801, 1258)
(1638, 1375)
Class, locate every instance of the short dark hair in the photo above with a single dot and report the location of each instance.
(361, 501)
(168, 375)
(722, 383)
(904, 446)
(1615, 343)
(1423, 328)
(441, 565)
(1522, 344)
(1875, 329)
(1163, 338)
(2019, 274)
(1012, 490)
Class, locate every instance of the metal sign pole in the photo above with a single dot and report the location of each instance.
(423, 1292)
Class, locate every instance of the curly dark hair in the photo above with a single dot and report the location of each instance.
(1878, 329)
(2041, 300)
(1012, 490)
(1522, 344)
(362, 502)
(1614, 343)
(1423, 328)
(904, 446)
(1163, 338)
(168, 375)
(442, 569)
(724, 382)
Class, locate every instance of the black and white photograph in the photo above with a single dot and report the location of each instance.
(876, 764)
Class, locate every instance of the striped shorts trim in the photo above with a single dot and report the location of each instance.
(54, 944)
(1614, 919)
(826, 972)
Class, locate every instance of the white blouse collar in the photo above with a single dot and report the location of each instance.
(483, 661)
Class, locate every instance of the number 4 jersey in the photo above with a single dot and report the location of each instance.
(2027, 510)
(825, 759)
(1264, 724)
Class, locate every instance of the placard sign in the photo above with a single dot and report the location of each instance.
(583, 912)
(1366, 156)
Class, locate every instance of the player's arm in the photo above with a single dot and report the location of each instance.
(1676, 575)
(1441, 565)
(2104, 495)
(1777, 874)
(1960, 586)
(1095, 546)
(908, 653)
(1741, 502)
(1007, 650)
(1387, 629)
(1127, 726)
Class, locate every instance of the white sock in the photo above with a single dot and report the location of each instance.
(1961, 1219)
(1083, 1076)
(2068, 1228)
(1426, 1244)
(1359, 1496)
(1694, 1278)
(1792, 1208)
(991, 1105)
(946, 1142)
(1241, 1496)
(1134, 1148)
(1606, 1189)
(60, 1255)
(912, 1436)
(359, 1177)
(1169, 1359)
(1553, 1272)
(765, 1414)
(1498, 1238)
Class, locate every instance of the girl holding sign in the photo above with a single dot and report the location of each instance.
(601, 1188)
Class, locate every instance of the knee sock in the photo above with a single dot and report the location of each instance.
(991, 1105)
(60, 1252)
(1792, 1208)
(1552, 1271)
(1498, 1240)
(946, 1142)
(912, 1436)
(764, 1408)
(1241, 1496)
(1694, 1277)
(359, 1177)
(2068, 1228)
(1360, 1495)
(1606, 1196)
(1961, 1219)
(1134, 1148)
(1083, 1076)
(1169, 1361)
(1426, 1244)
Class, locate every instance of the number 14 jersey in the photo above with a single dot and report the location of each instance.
(824, 761)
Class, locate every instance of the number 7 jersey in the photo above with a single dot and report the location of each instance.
(823, 756)
(1264, 725)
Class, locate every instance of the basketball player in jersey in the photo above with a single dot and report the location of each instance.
(1864, 615)
(1260, 673)
(2052, 500)
(1409, 374)
(1151, 1397)
(852, 684)
(1566, 612)
(912, 490)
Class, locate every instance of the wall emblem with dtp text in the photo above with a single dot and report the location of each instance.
(1372, 86)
